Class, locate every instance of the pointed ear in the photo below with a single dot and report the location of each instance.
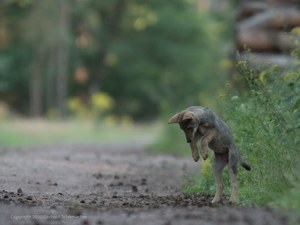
(176, 118)
(189, 116)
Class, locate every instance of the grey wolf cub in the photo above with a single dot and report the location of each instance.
(199, 122)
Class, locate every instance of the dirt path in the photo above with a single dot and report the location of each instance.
(108, 184)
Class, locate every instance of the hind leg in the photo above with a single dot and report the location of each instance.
(233, 161)
(220, 161)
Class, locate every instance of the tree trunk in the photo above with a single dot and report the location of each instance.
(111, 29)
(264, 40)
(274, 18)
(35, 94)
(62, 58)
(50, 81)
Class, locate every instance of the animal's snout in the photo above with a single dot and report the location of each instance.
(189, 136)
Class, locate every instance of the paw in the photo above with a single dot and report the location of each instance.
(216, 200)
(196, 157)
(204, 156)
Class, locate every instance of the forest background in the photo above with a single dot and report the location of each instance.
(132, 59)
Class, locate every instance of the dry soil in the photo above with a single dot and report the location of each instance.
(109, 184)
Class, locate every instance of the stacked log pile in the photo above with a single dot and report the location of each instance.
(264, 28)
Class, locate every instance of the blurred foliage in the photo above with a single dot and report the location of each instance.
(149, 56)
(100, 104)
(99, 109)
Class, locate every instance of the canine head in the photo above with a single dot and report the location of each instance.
(188, 122)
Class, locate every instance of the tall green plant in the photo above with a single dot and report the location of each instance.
(266, 125)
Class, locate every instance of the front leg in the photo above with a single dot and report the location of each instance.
(195, 152)
(207, 138)
(194, 148)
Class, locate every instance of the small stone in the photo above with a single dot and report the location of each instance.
(82, 201)
(98, 175)
(144, 181)
(134, 188)
(85, 222)
(99, 222)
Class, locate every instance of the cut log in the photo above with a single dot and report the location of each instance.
(275, 18)
(263, 60)
(263, 40)
(247, 9)
(280, 2)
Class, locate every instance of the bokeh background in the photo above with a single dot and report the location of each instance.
(118, 60)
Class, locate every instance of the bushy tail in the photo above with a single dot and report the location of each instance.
(244, 164)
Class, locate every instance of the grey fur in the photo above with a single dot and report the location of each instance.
(201, 123)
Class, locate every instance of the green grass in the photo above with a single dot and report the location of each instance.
(266, 122)
(20, 132)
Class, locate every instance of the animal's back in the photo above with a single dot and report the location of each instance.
(223, 140)
(204, 113)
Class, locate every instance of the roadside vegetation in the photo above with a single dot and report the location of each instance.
(265, 120)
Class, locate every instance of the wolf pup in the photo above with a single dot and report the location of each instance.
(199, 122)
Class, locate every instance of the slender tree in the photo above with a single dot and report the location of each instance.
(62, 56)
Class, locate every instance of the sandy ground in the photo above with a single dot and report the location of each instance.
(109, 184)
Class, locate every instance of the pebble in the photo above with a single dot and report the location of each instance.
(144, 181)
(134, 188)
